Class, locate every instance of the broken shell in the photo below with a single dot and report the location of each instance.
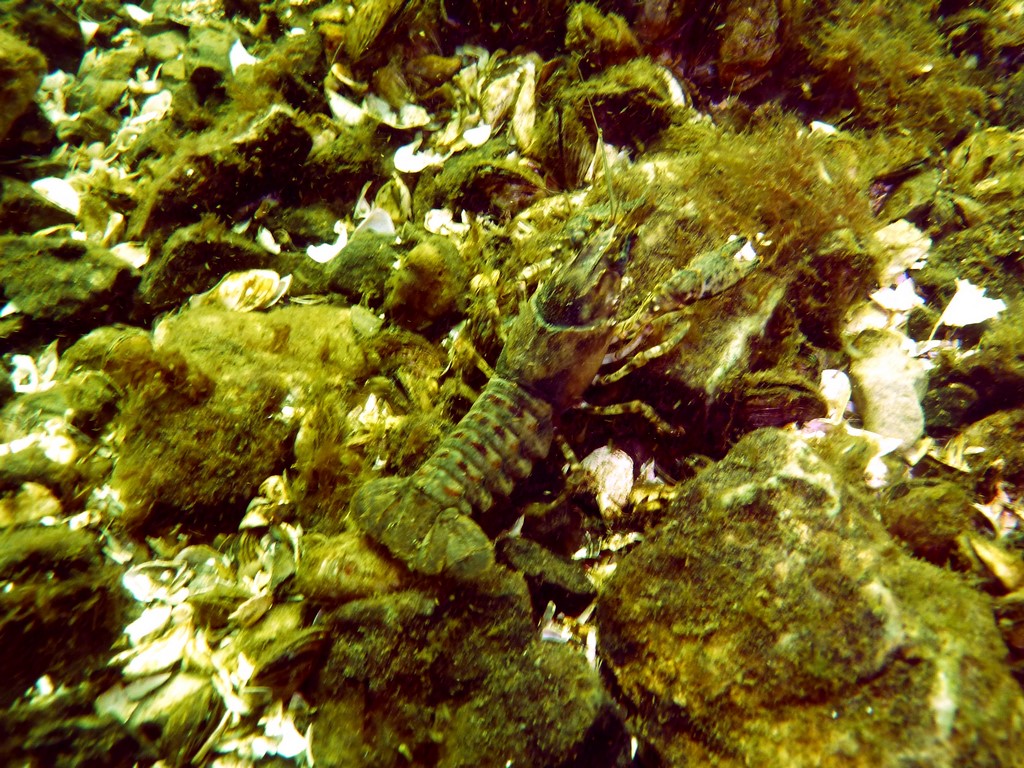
(156, 656)
(158, 580)
(252, 610)
(325, 252)
(153, 620)
(1006, 566)
(59, 192)
(524, 114)
(478, 135)
(286, 662)
(244, 291)
(498, 96)
(969, 306)
(238, 56)
(377, 220)
(836, 391)
(409, 160)
(181, 714)
(611, 474)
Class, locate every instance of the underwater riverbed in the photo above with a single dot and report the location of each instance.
(741, 484)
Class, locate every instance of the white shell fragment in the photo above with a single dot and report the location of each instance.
(478, 135)
(238, 56)
(138, 15)
(524, 112)
(157, 580)
(156, 656)
(266, 240)
(29, 375)
(88, 29)
(280, 737)
(377, 220)
(52, 96)
(409, 116)
(498, 96)
(969, 306)
(676, 94)
(375, 108)
(836, 390)
(132, 253)
(325, 252)
(902, 246)
(902, 298)
(611, 472)
(409, 160)
(746, 254)
(153, 620)
(59, 192)
(252, 610)
(345, 110)
(244, 291)
(441, 221)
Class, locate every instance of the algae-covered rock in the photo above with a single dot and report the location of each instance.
(360, 272)
(772, 622)
(21, 70)
(222, 403)
(239, 159)
(430, 683)
(61, 608)
(551, 578)
(63, 284)
(431, 281)
(929, 516)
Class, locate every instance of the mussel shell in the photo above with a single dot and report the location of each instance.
(777, 404)
(244, 291)
(178, 718)
(286, 663)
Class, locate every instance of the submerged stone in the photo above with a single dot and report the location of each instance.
(773, 622)
(458, 678)
(61, 283)
(219, 402)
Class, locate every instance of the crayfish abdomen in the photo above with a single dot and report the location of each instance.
(552, 353)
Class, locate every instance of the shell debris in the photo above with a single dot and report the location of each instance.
(610, 474)
(233, 687)
(244, 291)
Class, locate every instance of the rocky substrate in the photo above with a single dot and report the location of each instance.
(255, 256)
